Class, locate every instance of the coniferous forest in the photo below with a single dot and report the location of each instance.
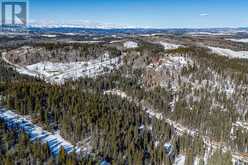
(143, 112)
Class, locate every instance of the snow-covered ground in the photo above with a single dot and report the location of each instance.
(117, 92)
(196, 161)
(244, 40)
(180, 160)
(180, 129)
(170, 65)
(49, 35)
(229, 53)
(70, 34)
(130, 44)
(59, 72)
(168, 148)
(168, 46)
(175, 62)
(241, 124)
(54, 141)
(149, 35)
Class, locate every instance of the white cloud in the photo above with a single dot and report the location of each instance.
(204, 14)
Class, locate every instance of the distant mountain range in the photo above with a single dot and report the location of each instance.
(77, 24)
(92, 27)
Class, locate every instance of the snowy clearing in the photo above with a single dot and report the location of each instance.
(175, 62)
(149, 35)
(168, 46)
(244, 40)
(49, 35)
(36, 133)
(130, 44)
(59, 72)
(210, 33)
(229, 53)
(117, 92)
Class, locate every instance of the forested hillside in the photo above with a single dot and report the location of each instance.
(159, 107)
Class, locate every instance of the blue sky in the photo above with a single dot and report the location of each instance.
(149, 13)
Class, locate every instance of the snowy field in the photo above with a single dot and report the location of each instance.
(244, 40)
(130, 44)
(49, 35)
(168, 46)
(36, 133)
(59, 72)
(229, 53)
(210, 33)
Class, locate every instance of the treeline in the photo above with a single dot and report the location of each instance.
(7, 73)
(85, 49)
(143, 55)
(61, 53)
(214, 61)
